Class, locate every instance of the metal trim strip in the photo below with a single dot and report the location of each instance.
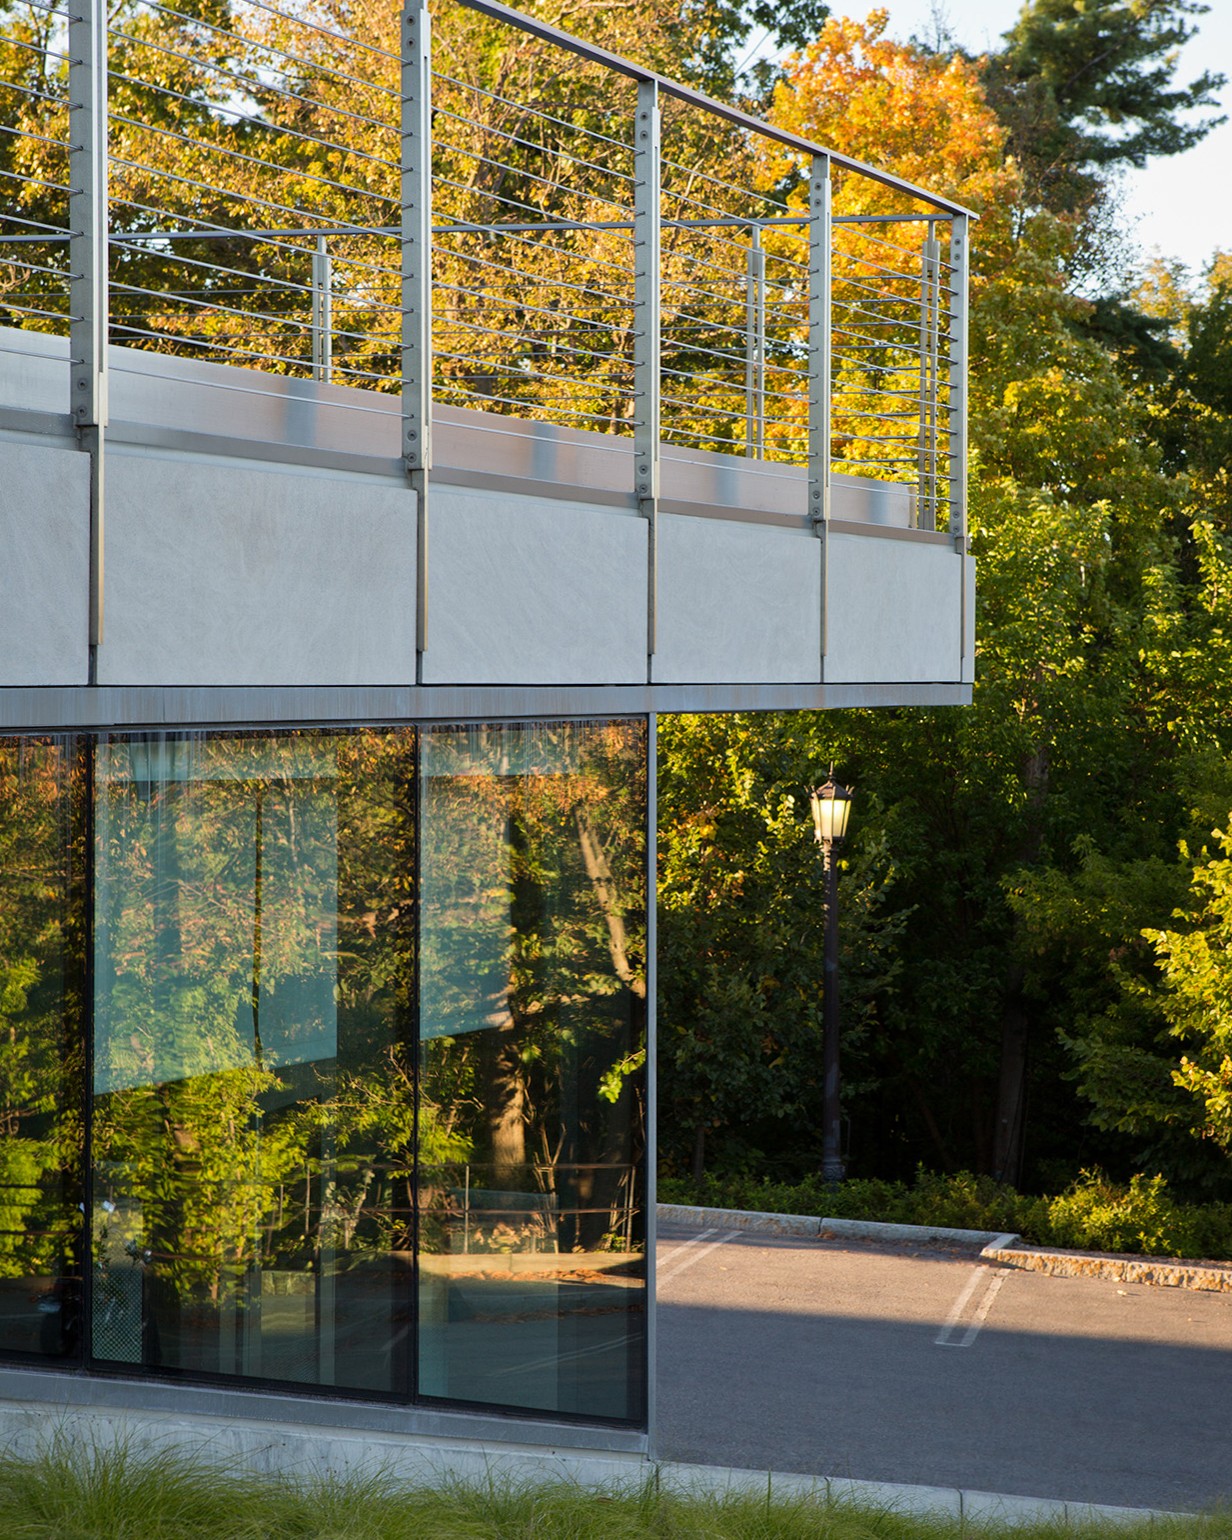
(55, 708)
(52, 1386)
(891, 532)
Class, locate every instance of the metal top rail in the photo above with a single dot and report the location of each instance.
(668, 87)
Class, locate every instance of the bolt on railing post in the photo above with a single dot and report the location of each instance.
(819, 346)
(322, 311)
(930, 303)
(960, 263)
(88, 287)
(755, 347)
(416, 241)
(647, 171)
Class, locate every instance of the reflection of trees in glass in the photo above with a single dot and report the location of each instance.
(533, 967)
(253, 963)
(40, 1011)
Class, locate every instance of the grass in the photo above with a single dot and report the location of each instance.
(75, 1492)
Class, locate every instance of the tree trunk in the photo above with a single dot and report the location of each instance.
(1010, 1123)
(699, 1153)
(1009, 1127)
(504, 1096)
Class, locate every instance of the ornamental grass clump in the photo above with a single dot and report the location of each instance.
(78, 1490)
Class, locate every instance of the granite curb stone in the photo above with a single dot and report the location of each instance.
(1006, 1249)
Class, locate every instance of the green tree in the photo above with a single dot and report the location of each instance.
(740, 928)
(1085, 86)
(1196, 976)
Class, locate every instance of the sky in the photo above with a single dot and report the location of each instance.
(1180, 206)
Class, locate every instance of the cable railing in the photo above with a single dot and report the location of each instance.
(469, 208)
(35, 178)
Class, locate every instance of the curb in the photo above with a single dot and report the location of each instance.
(1005, 1249)
(294, 1451)
(890, 1497)
(1206, 1278)
(813, 1228)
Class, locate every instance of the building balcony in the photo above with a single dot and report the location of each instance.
(323, 369)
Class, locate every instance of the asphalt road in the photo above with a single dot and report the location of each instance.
(925, 1366)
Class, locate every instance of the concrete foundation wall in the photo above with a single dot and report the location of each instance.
(512, 1455)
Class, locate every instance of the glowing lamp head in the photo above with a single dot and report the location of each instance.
(831, 810)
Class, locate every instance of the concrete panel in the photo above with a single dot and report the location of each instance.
(894, 610)
(738, 603)
(218, 573)
(44, 564)
(533, 590)
(33, 371)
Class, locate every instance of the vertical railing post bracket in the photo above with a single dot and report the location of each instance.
(819, 345)
(647, 172)
(88, 306)
(416, 243)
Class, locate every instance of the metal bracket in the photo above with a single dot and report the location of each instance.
(819, 343)
(416, 237)
(755, 347)
(646, 260)
(819, 346)
(960, 265)
(88, 326)
(926, 441)
(322, 311)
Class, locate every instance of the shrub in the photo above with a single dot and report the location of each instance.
(1092, 1214)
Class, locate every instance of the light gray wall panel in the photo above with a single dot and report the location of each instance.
(894, 610)
(738, 603)
(968, 662)
(530, 590)
(44, 565)
(218, 573)
(33, 371)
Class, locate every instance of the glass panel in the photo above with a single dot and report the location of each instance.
(532, 1032)
(253, 1117)
(41, 971)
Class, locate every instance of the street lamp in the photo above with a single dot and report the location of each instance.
(831, 810)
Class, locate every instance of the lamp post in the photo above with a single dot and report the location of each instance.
(831, 809)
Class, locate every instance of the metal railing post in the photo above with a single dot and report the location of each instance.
(322, 311)
(819, 345)
(646, 278)
(87, 159)
(930, 304)
(960, 265)
(417, 288)
(755, 347)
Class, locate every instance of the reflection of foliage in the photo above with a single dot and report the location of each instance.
(255, 935)
(203, 1168)
(533, 957)
(40, 980)
(255, 973)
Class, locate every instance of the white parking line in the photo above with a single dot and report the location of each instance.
(685, 1256)
(945, 1337)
